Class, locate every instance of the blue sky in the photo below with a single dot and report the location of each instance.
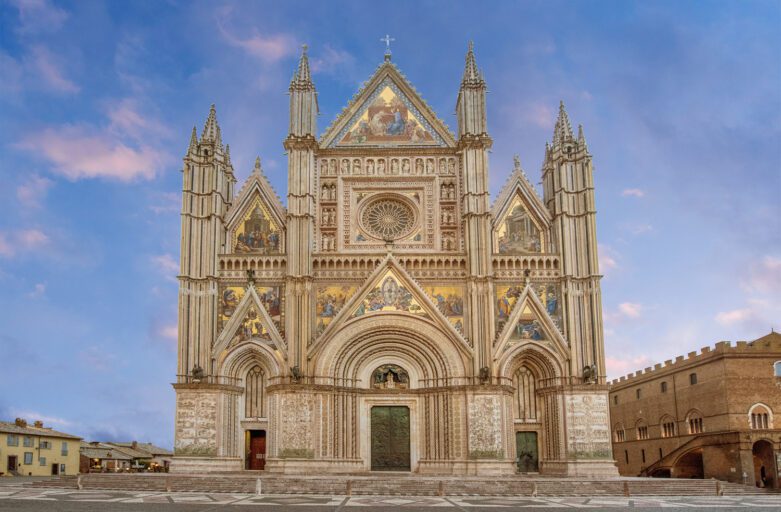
(680, 102)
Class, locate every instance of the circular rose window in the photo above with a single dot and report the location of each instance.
(388, 219)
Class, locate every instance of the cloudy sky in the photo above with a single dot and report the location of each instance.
(680, 101)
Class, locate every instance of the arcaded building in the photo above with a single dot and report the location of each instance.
(390, 315)
(706, 415)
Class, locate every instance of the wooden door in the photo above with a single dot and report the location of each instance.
(526, 452)
(390, 438)
(55, 469)
(12, 461)
(257, 450)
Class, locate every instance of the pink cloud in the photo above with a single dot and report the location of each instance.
(764, 276)
(331, 60)
(608, 258)
(736, 316)
(5, 246)
(77, 153)
(170, 332)
(47, 67)
(540, 114)
(39, 15)
(267, 47)
(633, 192)
(126, 118)
(31, 238)
(617, 366)
(32, 193)
(38, 290)
(630, 309)
(167, 265)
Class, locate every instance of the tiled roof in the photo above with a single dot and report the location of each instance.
(12, 428)
(93, 452)
(147, 447)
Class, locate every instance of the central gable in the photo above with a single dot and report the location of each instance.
(387, 113)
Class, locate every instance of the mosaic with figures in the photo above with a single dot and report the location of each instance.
(450, 302)
(329, 302)
(389, 118)
(390, 294)
(271, 297)
(507, 297)
(518, 232)
(257, 232)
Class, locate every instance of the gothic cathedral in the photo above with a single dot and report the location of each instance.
(389, 317)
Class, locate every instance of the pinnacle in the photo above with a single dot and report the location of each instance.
(193, 140)
(257, 168)
(517, 162)
(211, 130)
(302, 73)
(471, 73)
(563, 129)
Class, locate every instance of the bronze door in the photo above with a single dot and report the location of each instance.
(526, 452)
(390, 448)
(257, 450)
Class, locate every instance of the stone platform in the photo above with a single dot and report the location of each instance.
(400, 484)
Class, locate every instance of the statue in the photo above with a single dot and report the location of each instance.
(197, 373)
(485, 374)
(295, 372)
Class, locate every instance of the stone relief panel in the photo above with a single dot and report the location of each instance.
(196, 424)
(296, 414)
(588, 435)
(485, 427)
(329, 300)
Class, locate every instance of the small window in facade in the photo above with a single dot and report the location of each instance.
(615, 399)
(626, 456)
(62, 469)
(777, 368)
(45, 445)
(42, 461)
(620, 435)
(64, 450)
(642, 432)
(27, 441)
(637, 392)
(664, 387)
(642, 454)
(668, 427)
(12, 440)
(692, 379)
(28, 458)
(760, 417)
(660, 453)
(695, 423)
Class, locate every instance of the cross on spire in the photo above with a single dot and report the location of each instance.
(387, 40)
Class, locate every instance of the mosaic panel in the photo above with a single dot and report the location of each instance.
(518, 233)
(390, 294)
(450, 302)
(328, 302)
(257, 232)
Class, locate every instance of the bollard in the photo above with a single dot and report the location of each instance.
(78, 483)
(719, 488)
(349, 490)
(168, 484)
(258, 489)
(441, 488)
(534, 490)
(626, 488)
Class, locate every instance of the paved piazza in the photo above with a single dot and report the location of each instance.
(28, 499)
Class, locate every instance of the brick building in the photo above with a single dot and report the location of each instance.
(705, 415)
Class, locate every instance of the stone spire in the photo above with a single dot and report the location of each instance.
(228, 156)
(211, 130)
(193, 147)
(582, 138)
(258, 169)
(563, 130)
(302, 78)
(471, 72)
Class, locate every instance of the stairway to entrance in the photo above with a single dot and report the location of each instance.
(411, 485)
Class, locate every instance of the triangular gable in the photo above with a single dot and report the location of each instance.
(250, 321)
(258, 205)
(329, 301)
(390, 289)
(529, 220)
(530, 322)
(387, 111)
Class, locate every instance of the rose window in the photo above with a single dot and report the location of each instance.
(388, 219)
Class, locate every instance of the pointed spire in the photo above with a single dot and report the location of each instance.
(210, 128)
(516, 163)
(582, 138)
(192, 148)
(228, 155)
(219, 136)
(471, 73)
(563, 130)
(258, 169)
(302, 72)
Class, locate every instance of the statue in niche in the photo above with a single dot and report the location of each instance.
(381, 166)
(356, 166)
(419, 166)
(390, 376)
(370, 167)
(405, 166)
(332, 167)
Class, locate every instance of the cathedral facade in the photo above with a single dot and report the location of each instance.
(390, 317)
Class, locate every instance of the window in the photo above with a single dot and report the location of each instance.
(42, 461)
(615, 399)
(660, 454)
(694, 420)
(642, 454)
(626, 456)
(27, 441)
(620, 434)
(62, 469)
(692, 379)
(28, 458)
(668, 427)
(12, 440)
(777, 368)
(64, 450)
(760, 417)
(642, 432)
(664, 387)
(46, 445)
(637, 392)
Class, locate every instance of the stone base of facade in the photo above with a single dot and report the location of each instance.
(291, 466)
(580, 468)
(195, 465)
(467, 467)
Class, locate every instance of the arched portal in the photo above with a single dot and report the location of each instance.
(689, 465)
(764, 464)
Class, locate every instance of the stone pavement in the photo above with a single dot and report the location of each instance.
(20, 498)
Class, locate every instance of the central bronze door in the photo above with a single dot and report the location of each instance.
(526, 449)
(390, 438)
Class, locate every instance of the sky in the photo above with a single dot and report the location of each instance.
(680, 104)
